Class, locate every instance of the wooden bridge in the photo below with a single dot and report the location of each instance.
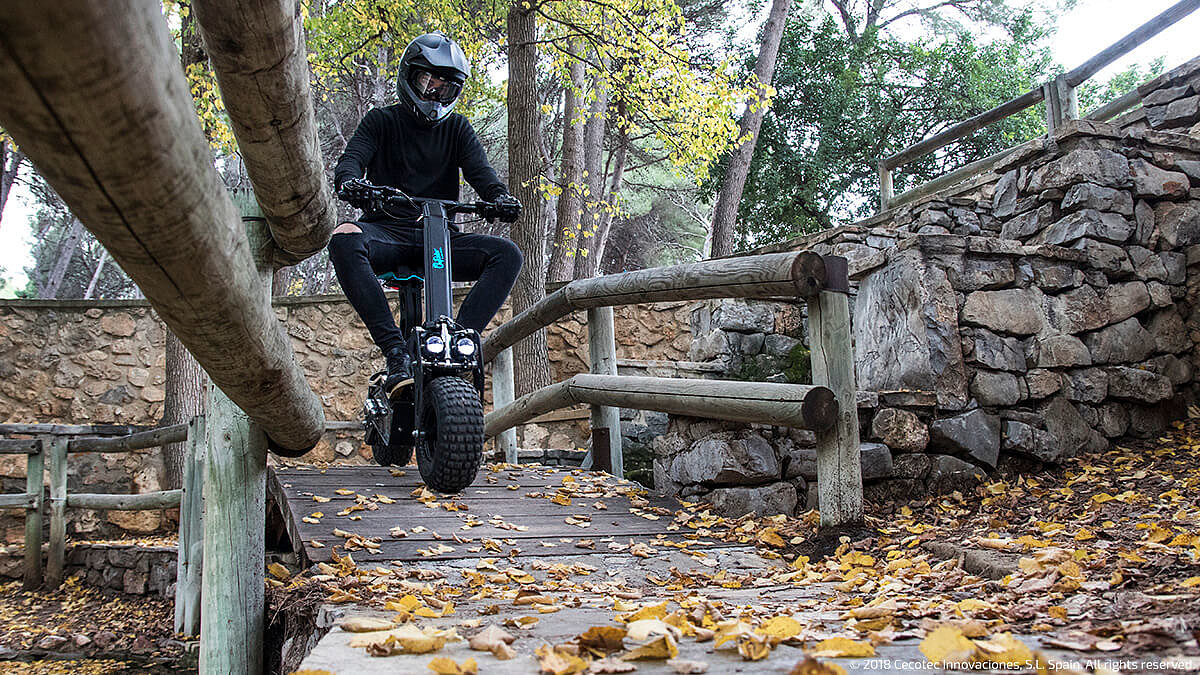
(383, 515)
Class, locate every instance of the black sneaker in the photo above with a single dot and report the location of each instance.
(399, 371)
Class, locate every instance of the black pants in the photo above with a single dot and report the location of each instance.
(491, 262)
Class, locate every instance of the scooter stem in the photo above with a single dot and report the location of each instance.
(438, 274)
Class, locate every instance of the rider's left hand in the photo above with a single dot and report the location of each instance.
(508, 208)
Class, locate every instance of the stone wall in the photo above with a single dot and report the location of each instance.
(1029, 315)
(130, 568)
(102, 362)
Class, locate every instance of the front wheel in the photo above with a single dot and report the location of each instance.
(451, 447)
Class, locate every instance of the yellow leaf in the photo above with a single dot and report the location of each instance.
(604, 639)
(1003, 648)
(839, 647)
(648, 612)
(780, 627)
(557, 662)
(279, 571)
(947, 644)
(445, 666)
(365, 624)
(662, 647)
(1191, 582)
(771, 537)
(1158, 534)
(344, 491)
(1084, 534)
(754, 647)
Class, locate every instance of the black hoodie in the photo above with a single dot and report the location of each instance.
(393, 148)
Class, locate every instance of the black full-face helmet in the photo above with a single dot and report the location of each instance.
(433, 70)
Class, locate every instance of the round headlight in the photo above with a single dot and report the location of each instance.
(465, 346)
(434, 344)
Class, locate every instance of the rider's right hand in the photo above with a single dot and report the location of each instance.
(354, 191)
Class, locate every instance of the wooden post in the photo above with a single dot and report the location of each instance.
(504, 392)
(232, 619)
(839, 472)
(1054, 108)
(886, 190)
(56, 559)
(1068, 98)
(191, 533)
(602, 352)
(34, 468)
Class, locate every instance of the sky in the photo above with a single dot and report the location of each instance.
(1084, 31)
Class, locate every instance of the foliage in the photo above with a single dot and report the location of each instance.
(845, 102)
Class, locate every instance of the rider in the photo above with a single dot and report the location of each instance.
(419, 146)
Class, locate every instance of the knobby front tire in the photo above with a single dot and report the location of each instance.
(451, 449)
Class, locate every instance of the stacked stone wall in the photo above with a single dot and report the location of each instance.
(1027, 316)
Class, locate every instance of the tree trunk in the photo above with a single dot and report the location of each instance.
(593, 169)
(614, 189)
(91, 288)
(66, 251)
(524, 166)
(10, 165)
(570, 202)
(725, 215)
(184, 400)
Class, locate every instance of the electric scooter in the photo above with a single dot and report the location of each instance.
(441, 415)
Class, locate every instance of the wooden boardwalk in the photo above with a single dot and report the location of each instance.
(385, 514)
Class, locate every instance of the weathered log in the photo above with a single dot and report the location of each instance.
(794, 405)
(164, 499)
(839, 472)
(257, 52)
(147, 439)
(606, 419)
(776, 274)
(34, 474)
(18, 501)
(56, 557)
(503, 392)
(20, 447)
(96, 98)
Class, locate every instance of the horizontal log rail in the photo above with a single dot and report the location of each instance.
(256, 48)
(20, 447)
(163, 499)
(1065, 84)
(18, 501)
(803, 274)
(72, 429)
(793, 405)
(139, 441)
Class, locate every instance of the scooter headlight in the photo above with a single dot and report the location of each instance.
(464, 346)
(434, 345)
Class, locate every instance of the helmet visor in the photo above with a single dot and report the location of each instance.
(431, 86)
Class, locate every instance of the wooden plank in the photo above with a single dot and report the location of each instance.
(256, 48)
(794, 405)
(839, 474)
(777, 274)
(163, 499)
(21, 501)
(602, 356)
(504, 393)
(138, 172)
(20, 446)
(34, 467)
(56, 558)
(191, 542)
(1131, 41)
(232, 618)
(886, 189)
(140, 441)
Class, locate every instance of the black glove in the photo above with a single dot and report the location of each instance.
(354, 192)
(508, 209)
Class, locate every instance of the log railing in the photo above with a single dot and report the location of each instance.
(1061, 106)
(827, 407)
(59, 442)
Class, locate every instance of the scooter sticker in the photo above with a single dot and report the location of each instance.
(439, 260)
